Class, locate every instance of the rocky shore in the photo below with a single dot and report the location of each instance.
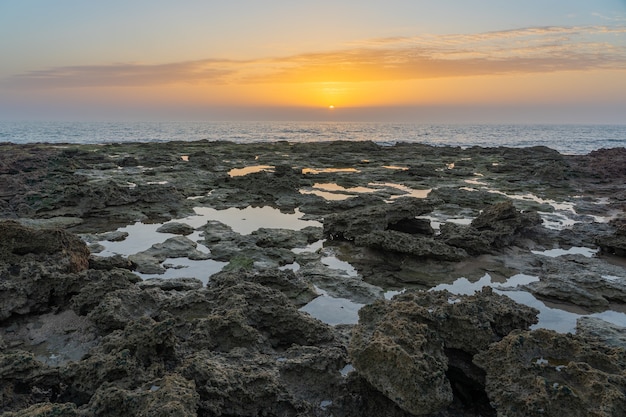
(257, 315)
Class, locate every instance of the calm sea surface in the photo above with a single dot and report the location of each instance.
(569, 139)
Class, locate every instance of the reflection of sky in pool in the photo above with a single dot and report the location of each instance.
(330, 309)
(142, 236)
(549, 318)
(333, 310)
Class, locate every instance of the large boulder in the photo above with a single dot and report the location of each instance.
(405, 347)
(39, 268)
(550, 374)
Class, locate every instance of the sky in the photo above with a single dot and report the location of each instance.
(482, 61)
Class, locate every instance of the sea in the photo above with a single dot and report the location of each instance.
(567, 139)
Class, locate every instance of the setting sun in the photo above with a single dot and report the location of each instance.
(331, 107)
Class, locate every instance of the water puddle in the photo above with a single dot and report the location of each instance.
(575, 250)
(551, 318)
(463, 286)
(335, 192)
(240, 172)
(331, 310)
(315, 171)
(335, 263)
(187, 268)
(559, 320)
(249, 219)
(141, 237)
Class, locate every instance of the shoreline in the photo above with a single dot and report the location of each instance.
(406, 218)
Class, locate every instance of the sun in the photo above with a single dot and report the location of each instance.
(332, 106)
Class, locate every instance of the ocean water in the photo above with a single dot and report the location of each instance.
(568, 139)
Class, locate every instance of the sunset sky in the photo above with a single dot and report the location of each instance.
(416, 60)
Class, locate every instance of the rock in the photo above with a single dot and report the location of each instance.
(603, 331)
(149, 261)
(350, 224)
(287, 282)
(176, 228)
(495, 228)
(172, 284)
(98, 284)
(239, 384)
(108, 263)
(45, 410)
(579, 280)
(39, 268)
(403, 347)
(51, 223)
(550, 374)
(416, 245)
(614, 244)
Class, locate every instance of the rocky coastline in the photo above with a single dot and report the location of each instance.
(233, 328)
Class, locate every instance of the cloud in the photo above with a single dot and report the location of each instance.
(524, 50)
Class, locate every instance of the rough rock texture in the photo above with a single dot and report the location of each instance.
(402, 347)
(550, 374)
(395, 228)
(614, 244)
(39, 268)
(85, 336)
(602, 331)
(497, 227)
(586, 282)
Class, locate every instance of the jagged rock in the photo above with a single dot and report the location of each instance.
(350, 224)
(25, 380)
(46, 410)
(614, 244)
(402, 347)
(495, 228)
(287, 282)
(98, 285)
(239, 384)
(550, 374)
(39, 268)
(417, 245)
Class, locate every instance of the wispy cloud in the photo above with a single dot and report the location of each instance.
(525, 50)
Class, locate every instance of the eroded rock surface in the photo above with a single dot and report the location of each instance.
(547, 373)
(83, 335)
(404, 347)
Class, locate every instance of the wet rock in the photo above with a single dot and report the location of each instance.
(39, 268)
(546, 373)
(576, 279)
(495, 228)
(172, 395)
(402, 347)
(603, 331)
(176, 228)
(108, 263)
(350, 224)
(149, 261)
(171, 284)
(614, 244)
